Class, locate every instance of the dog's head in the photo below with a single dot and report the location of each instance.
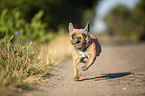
(80, 38)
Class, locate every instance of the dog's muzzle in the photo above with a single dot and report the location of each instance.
(78, 42)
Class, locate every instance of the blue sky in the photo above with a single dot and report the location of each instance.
(104, 7)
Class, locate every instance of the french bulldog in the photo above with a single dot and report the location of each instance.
(85, 48)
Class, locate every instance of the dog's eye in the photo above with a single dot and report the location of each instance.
(84, 35)
(73, 36)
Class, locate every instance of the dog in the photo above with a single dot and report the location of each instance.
(85, 48)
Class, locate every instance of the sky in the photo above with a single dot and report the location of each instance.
(104, 7)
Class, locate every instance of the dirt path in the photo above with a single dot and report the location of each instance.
(119, 71)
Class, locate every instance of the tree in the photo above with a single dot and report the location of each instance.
(139, 14)
(126, 23)
(56, 12)
(122, 23)
(117, 19)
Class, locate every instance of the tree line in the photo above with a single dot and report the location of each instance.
(125, 23)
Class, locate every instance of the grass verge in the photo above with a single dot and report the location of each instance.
(24, 64)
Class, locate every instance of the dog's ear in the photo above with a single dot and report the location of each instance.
(87, 28)
(70, 27)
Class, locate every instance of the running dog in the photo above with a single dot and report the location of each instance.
(85, 48)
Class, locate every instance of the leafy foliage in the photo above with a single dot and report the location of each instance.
(139, 14)
(57, 12)
(22, 31)
(126, 24)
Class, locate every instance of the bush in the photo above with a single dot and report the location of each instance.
(13, 24)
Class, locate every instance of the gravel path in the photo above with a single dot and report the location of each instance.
(119, 71)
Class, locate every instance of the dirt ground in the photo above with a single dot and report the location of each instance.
(118, 71)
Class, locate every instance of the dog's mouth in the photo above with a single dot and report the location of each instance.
(78, 44)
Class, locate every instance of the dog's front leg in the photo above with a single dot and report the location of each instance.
(75, 66)
(91, 57)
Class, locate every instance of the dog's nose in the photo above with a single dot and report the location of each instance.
(78, 37)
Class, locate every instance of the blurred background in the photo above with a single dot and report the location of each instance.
(34, 34)
(121, 20)
(43, 20)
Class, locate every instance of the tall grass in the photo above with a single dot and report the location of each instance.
(60, 47)
(54, 52)
(24, 64)
(18, 65)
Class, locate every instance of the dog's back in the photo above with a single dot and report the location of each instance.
(98, 47)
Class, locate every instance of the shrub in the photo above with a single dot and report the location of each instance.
(13, 24)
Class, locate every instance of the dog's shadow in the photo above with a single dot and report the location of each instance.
(107, 76)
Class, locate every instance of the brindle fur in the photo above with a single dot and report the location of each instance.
(86, 48)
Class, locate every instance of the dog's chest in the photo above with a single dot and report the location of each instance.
(82, 54)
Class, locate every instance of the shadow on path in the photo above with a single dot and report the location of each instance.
(107, 76)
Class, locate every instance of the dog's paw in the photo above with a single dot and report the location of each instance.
(76, 78)
(83, 68)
